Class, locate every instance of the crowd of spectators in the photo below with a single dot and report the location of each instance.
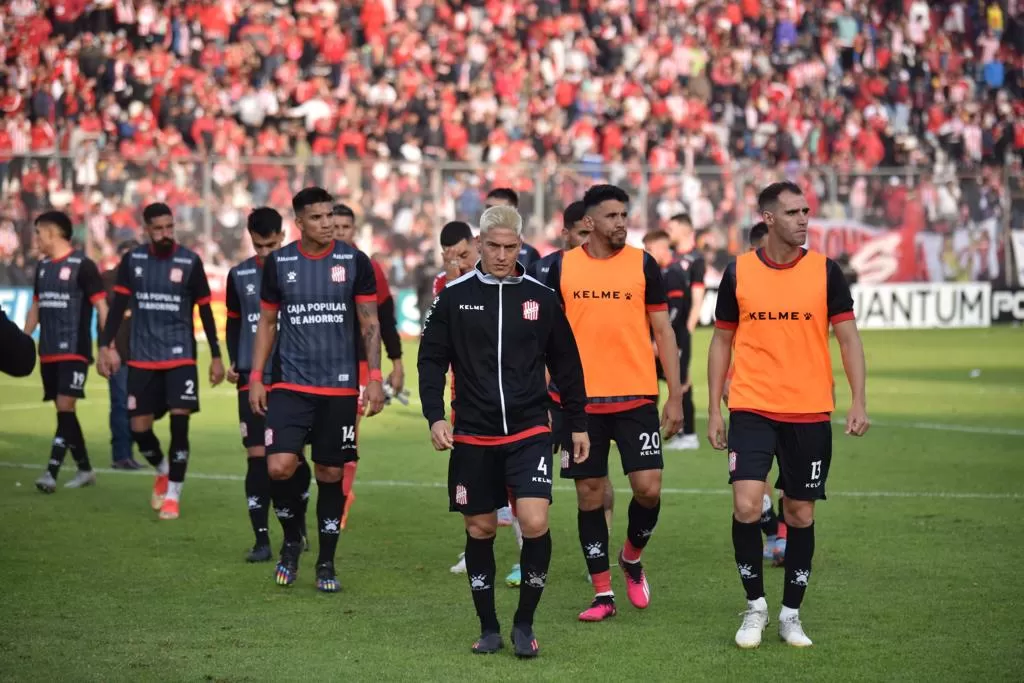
(410, 110)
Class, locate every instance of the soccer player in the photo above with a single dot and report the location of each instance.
(575, 231)
(692, 263)
(460, 252)
(162, 282)
(614, 296)
(505, 196)
(345, 231)
(67, 287)
(498, 329)
(777, 302)
(311, 288)
(242, 299)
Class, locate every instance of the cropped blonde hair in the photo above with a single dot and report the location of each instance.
(504, 217)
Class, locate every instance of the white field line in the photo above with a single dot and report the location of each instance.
(724, 491)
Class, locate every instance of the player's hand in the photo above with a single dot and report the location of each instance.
(258, 397)
(716, 431)
(110, 361)
(580, 447)
(232, 375)
(672, 416)
(397, 377)
(216, 371)
(373, 398)
(857, 422)
(441, 435)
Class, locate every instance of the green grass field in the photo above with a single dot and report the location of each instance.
(917, 550)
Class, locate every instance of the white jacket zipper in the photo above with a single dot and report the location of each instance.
(501, 390)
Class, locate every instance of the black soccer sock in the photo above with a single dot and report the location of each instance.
(480, 569)
(769, 522)
(799, 552)
(303, 477)
(641, 523)
(257, 493)
(593, 531)
(179, 447)
(746, 543)
(330, 502)
(534, 559)
(285, 494)
(76, 442)
(59, 447)
(149, 447)
(782, 512)
(689, 422)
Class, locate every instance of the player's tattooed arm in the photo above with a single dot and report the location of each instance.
(369, 329)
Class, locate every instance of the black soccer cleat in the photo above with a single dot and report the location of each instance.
(488, 643)
(259, 553)
(524, 642)
(288, 566)
(326, 579)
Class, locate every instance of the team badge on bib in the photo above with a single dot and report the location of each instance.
(131, 402)
(176, 274)
(338, 274)
(531, 309)
(65, 273)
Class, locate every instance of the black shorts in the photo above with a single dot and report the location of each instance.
(64, 378)
(637, 434)
(327, 423)
(803, 450)
(481, 479)
(250, 424)
(155, 392)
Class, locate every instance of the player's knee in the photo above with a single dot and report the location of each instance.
(646, 487)
(280, 468)
(145, 439)
(590, 493)
(747, 509)
(482, 526)
(328, 475)
(65, 404)
(256, 452)
(799, 513)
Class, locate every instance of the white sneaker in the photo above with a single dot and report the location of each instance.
(460, 566)
(755, 619)
(792, 631)
(683, 442)
(81, 479)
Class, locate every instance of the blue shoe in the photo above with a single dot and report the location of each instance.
(769, 547)
(779, 553)
(514, 577)
(505, 516)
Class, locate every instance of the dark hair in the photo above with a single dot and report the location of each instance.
(573, 213)
(682, 218)
(655, 235)
(265, 222)
(309, 196)
(343, 210)
(156, 210)
(60, 219)
(454, 232)
(506, 193)
(770, 194)
(758, 232)
(604, 193)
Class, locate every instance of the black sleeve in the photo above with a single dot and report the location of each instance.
(198, 285)
(124, 275)
(389, 328)
(233, 326)
(270, 290)
(210, 328)
(19, 351)
(840, 300)
(698, 269)
(554, 280)
(366, 280)
(676, 290)
(727, 309)
(654, 286)
(90, 281)
(563, 360)
(435, 357)
(35, 284)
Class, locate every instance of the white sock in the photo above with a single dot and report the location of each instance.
(174, 489)
(164, 467)
(519, 532)
(766, 504)
(787, 613)
(760, 605)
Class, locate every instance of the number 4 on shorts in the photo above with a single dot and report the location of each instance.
(542, 467)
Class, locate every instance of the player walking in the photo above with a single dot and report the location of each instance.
(498, 329)
(162, 282)
(778, 303)
(505, 196)
(311, 287)
(67, 287)
(242, 297)
(692, 264)
(610, 291)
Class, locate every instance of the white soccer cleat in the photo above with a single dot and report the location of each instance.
(755, 620)
(792, 632)
(683, 442)
(460, 566)
(81, 480)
